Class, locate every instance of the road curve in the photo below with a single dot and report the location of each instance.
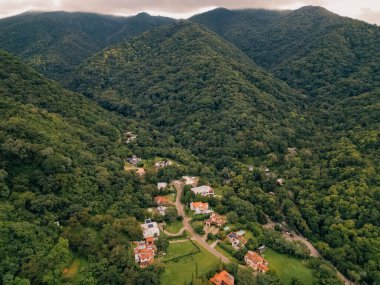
(178, 185)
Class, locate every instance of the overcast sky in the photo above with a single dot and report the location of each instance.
(367, 10)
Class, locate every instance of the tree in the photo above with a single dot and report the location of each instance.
(162, 243)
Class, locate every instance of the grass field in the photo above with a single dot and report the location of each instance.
(182, 271)
(171, 197)
(174, 227)
(288, 267)
(180, 249)
(226, 253)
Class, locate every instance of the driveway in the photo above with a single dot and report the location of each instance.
(178, 185)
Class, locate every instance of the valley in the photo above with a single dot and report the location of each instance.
(236, 144)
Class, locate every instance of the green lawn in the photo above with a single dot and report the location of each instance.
(182, 271)
(171, 197)
(288, 267)
(226, 253)
(174, 227)
(180, 249)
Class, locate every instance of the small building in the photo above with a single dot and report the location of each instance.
(150, 229)
(250, 167)
(163, 163)
(256, 262)
(280, 181)
(162, 185)
(272, 194)
(261, 249)
(161, 210)
(223, 278)
(145, 252)
(215, 220)
(191, 180)
(237, 240)
(134, 160)
(161, 200)
(203, 190)
(200, 208)
(130, 137)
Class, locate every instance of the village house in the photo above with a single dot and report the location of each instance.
(200, 208)
(161, 200)
(280, 181)
(256, 262)
(145, 252)
(203, 190)
(162, 185)
(130, 137)
(215, 220)
(163, 163)
(250, 167)
(161, 210)
(150, 229)
(237, 240)
(134, 160)
(191, 180)
(223, 278)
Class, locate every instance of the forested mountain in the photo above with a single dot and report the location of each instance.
(293, 92)
(62, 183)
(197, 88)
(55, 42)
(311, 48)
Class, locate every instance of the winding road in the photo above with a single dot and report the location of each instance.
(313, 251)
(178, 185)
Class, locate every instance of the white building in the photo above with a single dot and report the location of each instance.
(162, 185)
(203, 190)
(191, 180)
(150, 229)
(161, 210)
(163, 163)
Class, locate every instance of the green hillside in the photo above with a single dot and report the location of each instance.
(56, 42)
(196, 87)
(61, 160)
(310, 48)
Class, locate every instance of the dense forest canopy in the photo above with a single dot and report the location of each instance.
(296, 92)
(56, 42)
(193, 85)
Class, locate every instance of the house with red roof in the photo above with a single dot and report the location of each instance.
(223, 278)
(200, 208)
(145, 252)
(256, 262)
(215, 220)
(236, 239)
(161, 200)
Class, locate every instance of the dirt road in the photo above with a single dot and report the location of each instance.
(178, 185)
(313, 251)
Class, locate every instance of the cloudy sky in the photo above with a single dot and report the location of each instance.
(367, 10)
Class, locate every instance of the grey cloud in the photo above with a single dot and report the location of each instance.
(167, 7)
(370, 16)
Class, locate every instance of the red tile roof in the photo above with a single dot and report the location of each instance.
(223, 278)
(161, 200)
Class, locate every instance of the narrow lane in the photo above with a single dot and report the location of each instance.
(178, 185)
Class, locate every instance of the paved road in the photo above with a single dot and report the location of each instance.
(178, 185)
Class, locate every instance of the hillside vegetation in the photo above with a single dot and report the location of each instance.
(55, 42)
(197, 88)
